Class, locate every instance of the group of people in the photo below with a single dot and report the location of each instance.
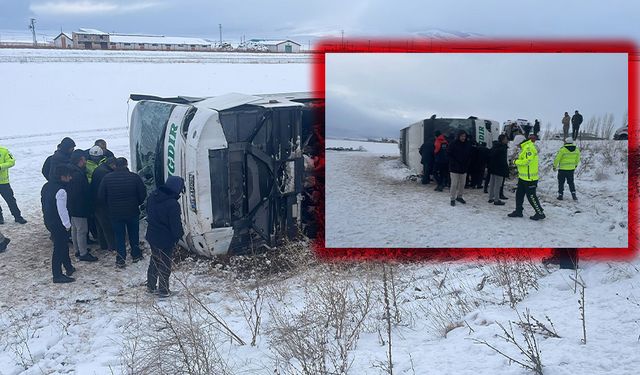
(459, 162)
(92, 192)
(575, 121)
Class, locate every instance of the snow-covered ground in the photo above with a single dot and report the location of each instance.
(371, 203)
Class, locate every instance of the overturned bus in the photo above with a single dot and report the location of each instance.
(481, 133)
(243, 161)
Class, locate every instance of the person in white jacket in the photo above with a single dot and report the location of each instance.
(58, 223)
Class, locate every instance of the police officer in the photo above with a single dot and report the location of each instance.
(7, 161)
(566, 161)
(527, 164)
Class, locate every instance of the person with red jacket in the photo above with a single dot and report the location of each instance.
(441, 160)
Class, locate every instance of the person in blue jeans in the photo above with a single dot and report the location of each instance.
(122, 192)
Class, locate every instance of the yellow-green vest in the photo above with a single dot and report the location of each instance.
(91, 167)
(6, 161)
(527, 161)
(567, 160)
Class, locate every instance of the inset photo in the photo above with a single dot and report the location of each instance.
(476, 150)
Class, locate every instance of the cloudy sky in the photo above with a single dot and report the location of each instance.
(395, 90)
(308, 19)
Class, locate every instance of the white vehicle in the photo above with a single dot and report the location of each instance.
(511, 128)
(241, 157)
(481, 132)
(621, 134)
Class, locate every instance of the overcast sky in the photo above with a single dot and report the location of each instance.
(375, 95)
(306, 19)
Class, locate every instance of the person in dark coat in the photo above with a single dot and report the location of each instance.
(57, 221)
(536, 127)
(103, 223)
(498, 168)
(426, 159)
(527, 129)
(79, 205)
(459, 160)
(164, 230)
(103, 145)
(61, 156)
(576, 120)
(122, 192)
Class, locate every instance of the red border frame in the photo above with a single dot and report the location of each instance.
(488, 46)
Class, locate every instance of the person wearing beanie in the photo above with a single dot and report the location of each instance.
(566, 162)
(61, 156)
(122, 192)
(527, 164)
(164, 230)
(79, 205)
(7, 161)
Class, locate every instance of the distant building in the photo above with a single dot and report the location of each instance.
(90, 39)
(96, 39)
(63, 40)
(278, 45)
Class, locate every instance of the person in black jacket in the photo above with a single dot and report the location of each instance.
(426, 159)
(164, 229)
(498, 169)
(536, 127)
(122, 192)
(61, 156)
(459, 160)
(576, 120)
(103, 223)
(57, 221)
(79, 205)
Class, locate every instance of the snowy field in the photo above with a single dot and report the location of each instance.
(284, 315)
(371, 203)
(62, 96)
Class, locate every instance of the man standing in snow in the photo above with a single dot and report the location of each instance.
(7, 161)
(79, 206)
(164, 230)
(60, 157)
(426, 158)
(527, 164)
(459, 160)
(536, 127)
(4, 242)
(498, 169)
(57, 221)
(566, 162)
(566, 120)
(122, 192)
(576, 120)
(441, 159)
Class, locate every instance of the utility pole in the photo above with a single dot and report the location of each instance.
(220, 27)
(32, 27)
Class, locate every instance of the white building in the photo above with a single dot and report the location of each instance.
(96, 39)
(278, 45)
(63, 40)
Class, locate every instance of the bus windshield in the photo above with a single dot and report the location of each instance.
(148, 124)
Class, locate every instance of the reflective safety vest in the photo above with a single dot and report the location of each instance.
(91, 166)
(6, 161)
(566, 159)
(527, 161)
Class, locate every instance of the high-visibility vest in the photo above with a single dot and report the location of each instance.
(567, 160)
(6, 161)
(527, 162)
